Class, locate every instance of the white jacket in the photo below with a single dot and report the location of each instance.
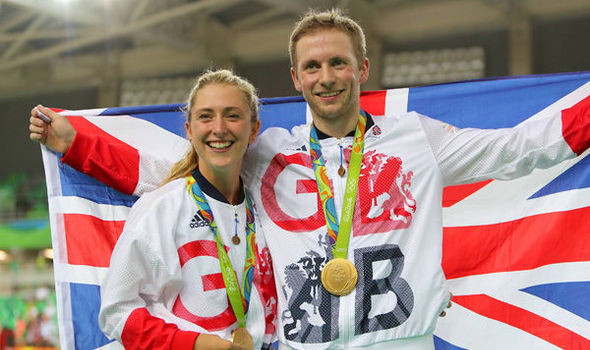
(396, 239)
(164, 282)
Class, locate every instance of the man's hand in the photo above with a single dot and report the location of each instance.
(444, 313)
(58, 134)
(213, 342)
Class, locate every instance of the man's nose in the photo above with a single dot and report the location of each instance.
(327, 76)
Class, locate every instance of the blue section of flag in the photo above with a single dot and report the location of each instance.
(576, 177)
(283, 112)
(168, 117)
(85, 307)
(572, 296)
(440, 344)
(501, 106)
(74, 183)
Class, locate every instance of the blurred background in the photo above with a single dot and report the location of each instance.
(78, 54)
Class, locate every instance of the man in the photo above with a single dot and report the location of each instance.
(361, 267)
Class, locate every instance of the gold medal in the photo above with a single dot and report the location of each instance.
(235, 240)
(339, 276)
(241, 337)
(341, 171)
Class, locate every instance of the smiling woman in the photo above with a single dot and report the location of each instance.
(220, 127)
(179, 235)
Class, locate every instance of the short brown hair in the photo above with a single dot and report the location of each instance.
(329, 19)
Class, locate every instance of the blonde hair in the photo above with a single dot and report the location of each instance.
(186, 165)
(330, 19)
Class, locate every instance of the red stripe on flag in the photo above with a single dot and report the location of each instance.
(517, 245)
(522, 319)
(373, 102)
(113, 162)
(90, 241)
(455, 194)
(575, 126)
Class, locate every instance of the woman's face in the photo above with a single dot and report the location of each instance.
(220, 128)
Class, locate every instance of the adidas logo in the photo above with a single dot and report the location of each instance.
(302, 148)
(198, 221)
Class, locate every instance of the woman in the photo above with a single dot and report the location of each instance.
(188, 270)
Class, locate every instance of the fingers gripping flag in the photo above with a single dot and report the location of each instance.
(516, 254)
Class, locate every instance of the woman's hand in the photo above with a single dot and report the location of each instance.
(57, 134)
(213, 342)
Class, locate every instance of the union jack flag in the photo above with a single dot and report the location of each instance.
(516, 253)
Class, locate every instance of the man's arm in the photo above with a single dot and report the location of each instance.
(470, 155)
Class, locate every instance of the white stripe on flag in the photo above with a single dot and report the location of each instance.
(484, 333)
(144, 136)
(396, 101)
(77, 205)
(507, 287)
(79, 274)
(112, 346)
(468, 211)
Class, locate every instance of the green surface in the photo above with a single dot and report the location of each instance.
(38, 237)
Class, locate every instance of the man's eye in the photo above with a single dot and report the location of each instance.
(338, 62)
(203, 116)
(312, 66)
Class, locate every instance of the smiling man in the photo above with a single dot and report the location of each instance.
(329, 73)
(351, 203)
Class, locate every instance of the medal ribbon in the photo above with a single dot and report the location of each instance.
(239, 298)
(339, 234)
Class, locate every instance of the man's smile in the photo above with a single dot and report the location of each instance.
(329, 93)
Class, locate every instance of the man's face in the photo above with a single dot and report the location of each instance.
(329, 75)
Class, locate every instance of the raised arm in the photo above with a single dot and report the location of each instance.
(470, 155)
(93, 152)
(57, 132)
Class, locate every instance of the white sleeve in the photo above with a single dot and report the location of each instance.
(470, 155)
(144, 269)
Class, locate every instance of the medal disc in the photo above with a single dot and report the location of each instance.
(339, 276)
(235, 240)
(241, 337)
(341, 171)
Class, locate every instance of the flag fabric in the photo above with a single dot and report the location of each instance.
(516, 254)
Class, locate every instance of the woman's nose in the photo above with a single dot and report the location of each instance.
(219, 126)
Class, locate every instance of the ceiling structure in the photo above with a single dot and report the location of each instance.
(60, 41)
